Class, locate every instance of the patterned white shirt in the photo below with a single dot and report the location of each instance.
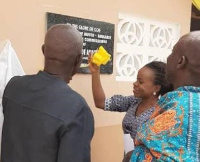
(128, 104)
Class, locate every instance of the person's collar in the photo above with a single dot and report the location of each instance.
(189, 88)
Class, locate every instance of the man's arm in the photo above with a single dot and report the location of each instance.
(141, 153)
(76, 137)
(4, 98)
(161, 138)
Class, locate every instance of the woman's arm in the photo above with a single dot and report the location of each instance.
(97, 89)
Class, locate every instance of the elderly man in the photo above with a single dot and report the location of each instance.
(174, 132)
(45, 120)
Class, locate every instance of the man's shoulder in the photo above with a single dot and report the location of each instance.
(21, 78)
(76, 97)
(14, 81)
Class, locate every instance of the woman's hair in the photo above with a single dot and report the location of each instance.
(159, 69)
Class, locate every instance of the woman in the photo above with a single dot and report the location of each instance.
(150, 84)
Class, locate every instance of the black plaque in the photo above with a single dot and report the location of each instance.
(94, 33)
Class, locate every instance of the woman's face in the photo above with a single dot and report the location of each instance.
(144, 86)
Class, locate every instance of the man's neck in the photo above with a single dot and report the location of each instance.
(56, 74)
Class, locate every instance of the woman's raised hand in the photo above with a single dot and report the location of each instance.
(93, 67)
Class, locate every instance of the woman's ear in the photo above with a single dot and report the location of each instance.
(157, 88)
(181, 62)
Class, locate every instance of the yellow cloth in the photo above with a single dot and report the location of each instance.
(196, 3)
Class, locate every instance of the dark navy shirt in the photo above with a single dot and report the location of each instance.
(45, 121)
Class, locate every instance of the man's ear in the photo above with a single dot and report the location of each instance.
(43, 49)
(77, 64)
(78, 60)
(181, 62)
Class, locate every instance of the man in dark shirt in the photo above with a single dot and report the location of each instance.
(45, 120)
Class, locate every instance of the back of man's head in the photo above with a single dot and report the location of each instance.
(63, 51)
(183, 65)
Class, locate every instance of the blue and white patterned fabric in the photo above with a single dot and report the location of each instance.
(174, 133)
